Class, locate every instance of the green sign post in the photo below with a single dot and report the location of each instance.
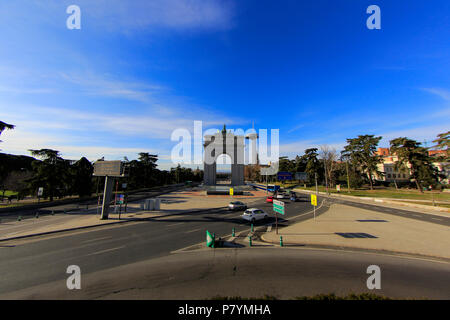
(209, 239)
(278, 207)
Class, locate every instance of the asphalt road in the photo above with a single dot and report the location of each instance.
(25, 264)
(44, 259)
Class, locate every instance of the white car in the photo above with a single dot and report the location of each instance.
(282, 196)
(254, 214)
(237, 205)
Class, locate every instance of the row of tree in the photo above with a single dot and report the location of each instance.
(358, 163)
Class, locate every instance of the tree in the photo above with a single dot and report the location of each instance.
(312, 163)
(82, 177)
(18, 181)
(148, 165)
(329, 158)
(4, 125)
(286, 165)
(52, 173)
(412, 155)
(361, 152)
(443, 142)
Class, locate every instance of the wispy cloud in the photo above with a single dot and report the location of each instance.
(442, 93)
(92, 84)
(173, 14)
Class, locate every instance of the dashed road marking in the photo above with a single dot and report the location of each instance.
(96, 239)
(190, 231)
(107, 250)
(174, 224)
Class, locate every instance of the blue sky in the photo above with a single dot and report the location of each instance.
(137, 70)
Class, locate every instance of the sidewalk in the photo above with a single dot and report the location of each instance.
(172, 204)
(392, 233)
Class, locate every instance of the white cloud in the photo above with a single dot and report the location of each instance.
(442, 93)
(173, 14)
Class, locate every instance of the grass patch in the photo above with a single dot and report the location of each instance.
(8, 193)
(387, 193)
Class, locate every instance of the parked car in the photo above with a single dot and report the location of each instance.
(282, 196)
(269, 199)
(254, 214)
(237, 205)
(294, 199)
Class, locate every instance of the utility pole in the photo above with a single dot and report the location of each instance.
(326, 180)
(348, 179)
(317, 188)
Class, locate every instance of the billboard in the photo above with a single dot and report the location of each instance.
(108, 168)
(282, 175)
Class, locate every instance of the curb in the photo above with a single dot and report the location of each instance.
(104, 224)
(356, 249)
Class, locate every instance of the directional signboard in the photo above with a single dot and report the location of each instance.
(278, 206)
(108, 168)
(284, 176)
(301, 176)
(40, 191)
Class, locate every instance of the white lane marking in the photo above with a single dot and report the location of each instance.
(174, 224)
(107, 250)
(437, 219)
(194, 230)
(416, 215)
(96, 239)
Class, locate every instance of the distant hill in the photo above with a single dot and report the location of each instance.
(10, 162)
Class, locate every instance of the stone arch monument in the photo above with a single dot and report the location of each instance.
(224, 142)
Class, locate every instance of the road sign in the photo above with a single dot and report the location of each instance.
(109, 168)
(231, 191)
(284, 176)
(278, 206)
(124, 185)
(209, 239)
(121, 198)
(338, 187)
(40, 191)
(301, 176)
(314, 200)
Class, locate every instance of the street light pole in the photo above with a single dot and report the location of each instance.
(317, 188)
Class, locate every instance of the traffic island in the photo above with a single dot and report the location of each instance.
(349, 227)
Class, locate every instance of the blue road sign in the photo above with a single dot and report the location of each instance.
(284, 175)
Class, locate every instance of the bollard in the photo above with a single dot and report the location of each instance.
(53, 213)
(19, 218)
(250, 241)
(37, 215)
(281, 241)
(233, 233)
(252, 227)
